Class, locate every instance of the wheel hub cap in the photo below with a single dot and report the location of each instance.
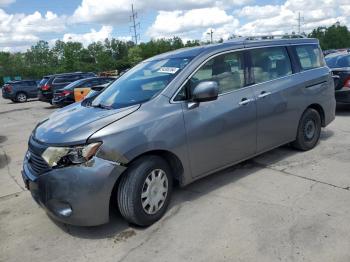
(310, 129)
(154, 191)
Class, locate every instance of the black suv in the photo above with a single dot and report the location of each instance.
(49, 84)
(20, 91)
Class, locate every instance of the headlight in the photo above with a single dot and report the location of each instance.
(56, 156)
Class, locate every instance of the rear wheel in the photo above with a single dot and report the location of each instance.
(309, 130)
(21, 97)
(144, 191)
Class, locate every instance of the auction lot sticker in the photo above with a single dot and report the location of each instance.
(168, 70)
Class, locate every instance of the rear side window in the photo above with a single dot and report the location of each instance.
(66, 79)
(44, 81)
(270, 63)
(310, 57)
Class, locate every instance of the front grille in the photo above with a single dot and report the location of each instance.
(37, 163)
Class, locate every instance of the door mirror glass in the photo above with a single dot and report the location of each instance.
(205, 91)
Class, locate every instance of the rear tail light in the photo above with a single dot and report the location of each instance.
(347, 82)
(8, 88)
(65, 93)
(45, 87)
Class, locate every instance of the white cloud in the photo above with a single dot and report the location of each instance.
(23, 30)
(168, 24)
(279, 19)
(6, 2)
(116, 12)
(93, 36)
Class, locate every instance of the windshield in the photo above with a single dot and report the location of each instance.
(141, 83)
(338, 61)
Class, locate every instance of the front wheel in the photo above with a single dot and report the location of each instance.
(309, 130)
(145, 190)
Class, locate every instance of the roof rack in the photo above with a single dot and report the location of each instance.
(267, 37)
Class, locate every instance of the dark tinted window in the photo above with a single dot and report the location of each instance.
(310, 56)
(66, 79)
(270, 63)
(25, 83)
(44, 81)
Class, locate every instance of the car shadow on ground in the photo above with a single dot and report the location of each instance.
(118, 228)
(343, 110)
(28, 101)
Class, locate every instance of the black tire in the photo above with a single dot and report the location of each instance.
(131, 187)
(309, 130)
(21, 97)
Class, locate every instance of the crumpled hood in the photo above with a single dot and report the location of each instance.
(74, 124)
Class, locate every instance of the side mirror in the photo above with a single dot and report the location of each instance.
(205, 91)
(336, 79)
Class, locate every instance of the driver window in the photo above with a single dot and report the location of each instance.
(227, 70)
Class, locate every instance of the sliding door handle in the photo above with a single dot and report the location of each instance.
(264, 94)
(245, 101)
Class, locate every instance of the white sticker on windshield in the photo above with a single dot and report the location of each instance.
(168, 70)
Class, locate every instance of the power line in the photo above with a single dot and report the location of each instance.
(134, 25)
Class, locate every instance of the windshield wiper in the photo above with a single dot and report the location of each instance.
(102, 106)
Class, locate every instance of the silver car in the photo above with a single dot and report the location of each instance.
(177, 117)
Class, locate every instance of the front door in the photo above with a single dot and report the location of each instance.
(223, 131)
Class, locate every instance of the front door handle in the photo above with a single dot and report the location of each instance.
(264, 94)
(245, 101)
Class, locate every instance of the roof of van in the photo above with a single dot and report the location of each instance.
(234, 43)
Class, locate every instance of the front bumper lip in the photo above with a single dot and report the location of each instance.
(85, 189)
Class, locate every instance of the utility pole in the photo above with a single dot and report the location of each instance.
(211, 35)
(300, 20)
(134, 25)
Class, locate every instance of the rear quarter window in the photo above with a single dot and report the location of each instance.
(310, 57)
(66, 79)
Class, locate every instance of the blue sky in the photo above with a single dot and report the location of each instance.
(23, 22)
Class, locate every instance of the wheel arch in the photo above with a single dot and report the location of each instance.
(320, 110)
(21, 92)
(172, 159)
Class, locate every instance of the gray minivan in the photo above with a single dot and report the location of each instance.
(178, 116)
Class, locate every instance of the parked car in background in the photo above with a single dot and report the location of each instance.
(49, 84)
(340, 66)
(20, 90)
(77, 90)
(178, 116)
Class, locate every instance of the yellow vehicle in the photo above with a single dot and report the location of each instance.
(80, 93)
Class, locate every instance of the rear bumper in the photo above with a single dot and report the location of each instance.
(77, 195)
(8, 95)
(61, 101)
(343, 96)
(45, 97)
